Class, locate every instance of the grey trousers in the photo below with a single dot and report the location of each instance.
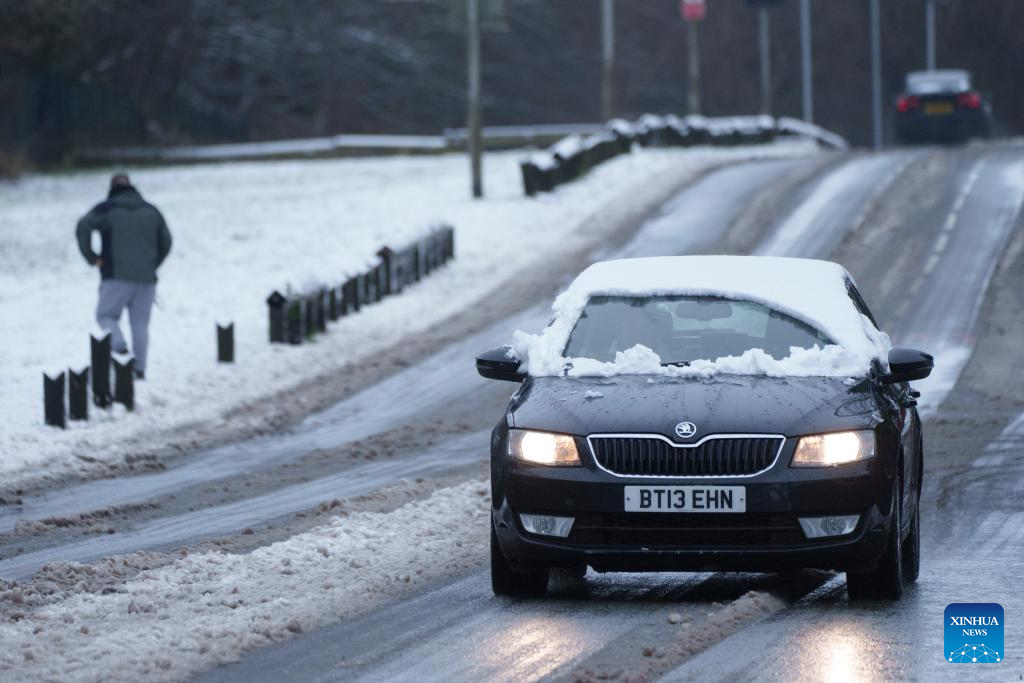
(137, 297)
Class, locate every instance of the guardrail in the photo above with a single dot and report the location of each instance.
(298, 316)
(451, 139)
(575, 155)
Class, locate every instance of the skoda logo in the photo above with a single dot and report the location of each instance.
(684, 430)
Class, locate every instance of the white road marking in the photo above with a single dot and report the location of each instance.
(967, 255)
(813, 228)
(947, 228)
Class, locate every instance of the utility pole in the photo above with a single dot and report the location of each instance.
(693, 96)
(607, 57)
(766, 59)
(929, 34)
(805, 59)
(876, 72)
(474, 139)
(693, 11)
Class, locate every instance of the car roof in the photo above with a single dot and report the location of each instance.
(939, 73)
(811, 290)
(956, 78)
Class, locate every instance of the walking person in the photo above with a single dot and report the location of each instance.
(135, 242)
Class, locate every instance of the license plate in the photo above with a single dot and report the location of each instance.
(933, 108)
(686, 499)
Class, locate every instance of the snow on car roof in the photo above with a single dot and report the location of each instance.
(809, 290)
(924, 82)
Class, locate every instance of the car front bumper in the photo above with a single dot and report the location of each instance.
(767, 537)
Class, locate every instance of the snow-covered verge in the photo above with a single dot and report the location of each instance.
(209, 608)
(242, 230)
(809, 290)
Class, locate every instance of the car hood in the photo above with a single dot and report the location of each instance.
(723, 404)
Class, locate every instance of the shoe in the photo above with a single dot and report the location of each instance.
(122, 350)
(140, 374)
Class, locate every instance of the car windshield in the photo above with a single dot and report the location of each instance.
(682, 329)
(938, 82)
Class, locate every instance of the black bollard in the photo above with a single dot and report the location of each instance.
(308, 317)
(388, 265)
(319, 312)
(332, 304)
(373, 290)
(416, 262)
(294, 311)
(427, 266)
(369, 288)
(349, 299)
(78, 394)
(365, 295)
(124, 383)
(356, 298)
(449, 243)
(344, 300)
(278, 316)
(382, 280)
(53, 401)
(100, 355)
(226, 343)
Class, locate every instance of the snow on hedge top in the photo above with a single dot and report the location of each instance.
(809, 290)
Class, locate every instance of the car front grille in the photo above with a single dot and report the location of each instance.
(661, 531)
(643, 455)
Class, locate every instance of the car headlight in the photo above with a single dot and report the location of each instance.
(543, 448)
(837, 448)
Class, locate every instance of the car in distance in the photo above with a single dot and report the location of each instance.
(941, 106)
(701, 413)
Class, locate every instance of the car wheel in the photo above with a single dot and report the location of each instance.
(885, 580)
(912, 546)
(510, 582)
(575, 572)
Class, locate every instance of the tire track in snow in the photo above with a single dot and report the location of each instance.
(834, 206)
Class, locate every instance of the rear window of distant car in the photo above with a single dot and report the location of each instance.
(682, 329)
(937, 83)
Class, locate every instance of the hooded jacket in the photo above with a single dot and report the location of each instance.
(134, 235)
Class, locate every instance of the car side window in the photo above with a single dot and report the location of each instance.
(858, 302)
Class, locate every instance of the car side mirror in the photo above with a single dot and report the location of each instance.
(907, 365)
(495, 364)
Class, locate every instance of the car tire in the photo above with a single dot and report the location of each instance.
(886, 580)
(509, 582)
(912, 546)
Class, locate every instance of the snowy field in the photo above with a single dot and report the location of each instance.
(242, 230)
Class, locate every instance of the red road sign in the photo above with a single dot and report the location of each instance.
(693, 10)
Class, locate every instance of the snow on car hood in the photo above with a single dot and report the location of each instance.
(809, 290)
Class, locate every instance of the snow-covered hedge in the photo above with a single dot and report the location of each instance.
(572, 156)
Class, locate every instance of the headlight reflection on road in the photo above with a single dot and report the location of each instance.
(842, 652)
(530, 646)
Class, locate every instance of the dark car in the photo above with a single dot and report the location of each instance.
(941, 106)
(703, 413)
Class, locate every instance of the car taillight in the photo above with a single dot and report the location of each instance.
(971, 100)
(907, 102)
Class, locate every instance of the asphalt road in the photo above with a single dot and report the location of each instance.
(457, 631)
(923, 231)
